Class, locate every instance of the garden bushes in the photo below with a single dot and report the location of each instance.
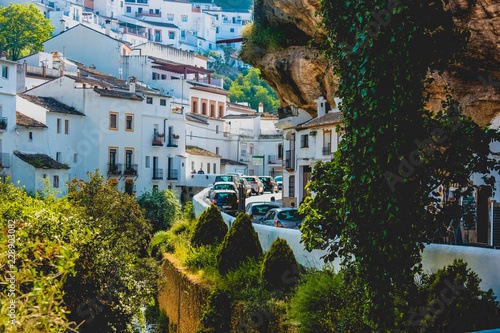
(279, 268)
(240, 243)
(210, 228)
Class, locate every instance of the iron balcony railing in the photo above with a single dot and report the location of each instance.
(327, 150)
(4, 160)
(172, 141)
(130, 169)
(173, 174)
(290, 159)
(157, 174)
(114, 169)
(158, 140)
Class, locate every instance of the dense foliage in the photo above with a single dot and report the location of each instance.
(252, 89)
(114, 276)
(217, 317)
(279, 267)
(23, 28)
(210, 228)
(46, 234)
(240, 244)
(376, 196)
(161, 208)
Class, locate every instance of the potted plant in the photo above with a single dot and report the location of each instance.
(175, 136)
(161, 135)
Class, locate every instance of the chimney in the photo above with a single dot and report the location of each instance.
(131, 86)
(261, 107)
(4, 55)
(108, 27)
(321, 101)
(63, 25)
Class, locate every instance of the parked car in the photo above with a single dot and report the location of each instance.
(256, 183)
(226, 200)
(248, 188)
(257, 210)
(269, 184)
(279, 180)
(228, 178)
(283, 218)
(223, 186)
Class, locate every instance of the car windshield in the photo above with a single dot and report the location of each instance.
(265, 179)
(223, 187)
(278, 179)
(225, 196)
(224, 178)
(261, 209)
(290, 215)
(250, 179)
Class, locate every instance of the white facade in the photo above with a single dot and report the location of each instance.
(8, 88)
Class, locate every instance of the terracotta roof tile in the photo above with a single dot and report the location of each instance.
(24, 120)
(193, 150)
(51, 104)
(40, 161)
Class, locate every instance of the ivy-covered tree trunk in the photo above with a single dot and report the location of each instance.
(377, 193)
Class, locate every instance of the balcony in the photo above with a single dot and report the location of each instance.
(4, 160)
(173, 174)
(172, 140)
(157, 174)
(327, 150)
(290, 160)
(158, 140)
(130, 170)
(273, 159)
(3, 123)
(114, 169)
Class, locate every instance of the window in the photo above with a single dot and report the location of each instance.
(217, 30)
(157, 35)
(192, 165)
(66, 126)
(217, 129)
(195, 107)
(204, 109)
(184, 18)
(170, 17)
(231, 30)
(217, 150)
(291, 186)
(304, 141)
(149, 100)
(129, 158)
(112, 156)
(163, 102)
(157, 11)
(201, 165)
(280, 150)
(215, 170)
(251, 149)
(150, 11)
(58, 157)
(208, 167)
(5, 72)
(129, 10)
(75, 158)
(148, 162)
(30, 136)
(171, 35)
(113, 121)
(44, 176)
(139, 10)
(212, 110)
(183, 34)
(56, 181)
(129, 122)
(58, 125)
(221, 111)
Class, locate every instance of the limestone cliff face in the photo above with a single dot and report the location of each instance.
(300, 75)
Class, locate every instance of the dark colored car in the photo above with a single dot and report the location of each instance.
(283, 218)
(257, 210)
(226, 201)
(269, 184)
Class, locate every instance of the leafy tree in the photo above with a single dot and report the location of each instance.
(44, 235)
(114, 277)
(279, 267)
(161, 208)
(375, 197)
(254, 90)
(23, 28)
(210, 228)
(240, 244)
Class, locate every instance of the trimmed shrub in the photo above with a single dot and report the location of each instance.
(210, 228)
(217, 316)
(455, 302)
(161, 208)
(240, 243)
(279, 268)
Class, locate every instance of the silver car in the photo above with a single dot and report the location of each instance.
(255, 182)
(257, 210)
(283, 218)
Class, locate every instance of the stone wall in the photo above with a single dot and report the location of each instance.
(183, 297)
